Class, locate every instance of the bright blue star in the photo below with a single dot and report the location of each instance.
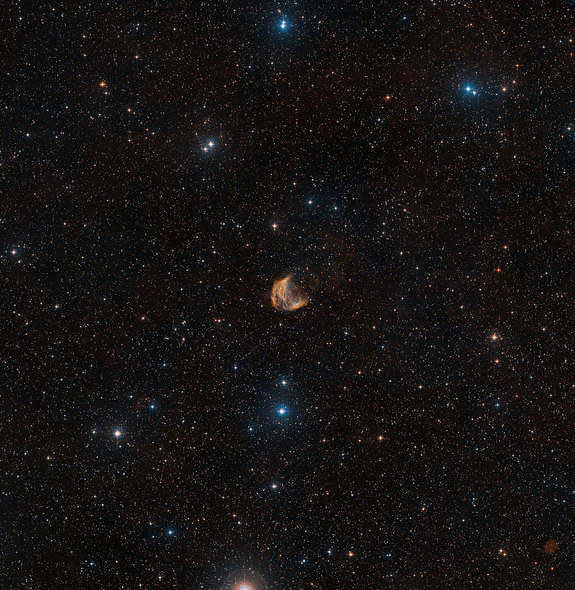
(469, 89)
(171, 532)
(282, 410)
(283, 25)
(210, 145)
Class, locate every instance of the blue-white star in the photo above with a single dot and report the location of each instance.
(469, 89)
(282, 410)
(210, 145)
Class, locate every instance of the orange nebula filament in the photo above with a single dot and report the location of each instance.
(287, 296)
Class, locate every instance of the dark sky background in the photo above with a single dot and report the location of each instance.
(410, 165)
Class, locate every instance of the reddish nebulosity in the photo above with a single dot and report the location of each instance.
(550, 546)
(287, 296)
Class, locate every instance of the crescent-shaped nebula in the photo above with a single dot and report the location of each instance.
(286, 295)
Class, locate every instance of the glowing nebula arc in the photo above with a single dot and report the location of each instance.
(287, 296)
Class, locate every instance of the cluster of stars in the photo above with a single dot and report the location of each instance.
(393, 191)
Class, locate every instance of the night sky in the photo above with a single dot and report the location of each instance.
(287, 295)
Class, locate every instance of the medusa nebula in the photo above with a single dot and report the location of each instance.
(287, 295)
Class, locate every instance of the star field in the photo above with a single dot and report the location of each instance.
(287, 295)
